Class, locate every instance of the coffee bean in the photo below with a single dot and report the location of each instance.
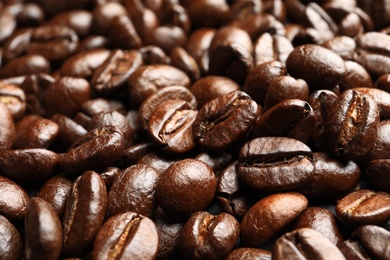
(355, 75)
(78, 20)
(14, 98)
(217, 161)
(7, 128)
(127, 235)
(13, 200)
(12, 243)
(272, 47)
(122, 33)
(249, 253)
(342, 45)
(25, 65)
(17, 44)
(377, 174)
(381, 98)
(182, 60)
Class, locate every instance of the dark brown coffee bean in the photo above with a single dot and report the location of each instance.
(43, 230)
(98, 149)
(13, 200)
(122, 33)
(207, 236)
(17, 44)
(135, 152)
(272, 47)
(225, 121)
(269, 216)
(319, 67)
(240, 9)
(170, 126)
(305, 243)
(351, 125)
(374, 42)
(274, 163)
(25, 65)
(54, 42)
(353, 250)
(35, 132)
(28, 166)
(133, 190)
(153, 55)
(11, 246)
(14, 98)
(364, 207)
(328, 173)
(249, 253)
(381, 98)
(84, 214)
(99, 105)
(185, 187)
(321, 220)
(381, 148)
(150, 104)
(377, 173)
(168, 37)
(210, 87)
(7, 128)
(292, 118)
(355, 76)
(351, 25)
(126, 236)
(7, 25)
(147, 80)
(93, 42)
(206, 13)
(109, 175)
(182, 60)
(56, 191)
(78, 20)
(103, 15)
(375, 64)
(383, 82)
(342, 45)
(83, 64)
(260, 77)
(318, 19)
(110, 77)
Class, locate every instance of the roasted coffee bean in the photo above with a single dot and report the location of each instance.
(7, 25)
(285, 87)
(381, 98)
(369, 241)
(17, 44)
(78, 20)
(158, 160)
(83, 64)
(377, 173)
(7, 128)
(269, 216)
(135, 152)
(381, 148)
(33, 131)
(183, 61)
(28, 165)
(364, 207)
(43, 230)
(165, 94)
(351, 125)
(260, 77)
(11, 246)
(217, 161)
(373, 42)
(321, 220)
(206, 236)
(375, 64)
(25, 65)
(99, 105)
(328, 173)
(249, 253)
(274, 163)
(133, 190)
(210, 87)
(122, 33)
(103, 15)
(126, 236)
(93, 42)
(225, 121)
(305, 243)
(77, 91)
(113, 118)
(31, 15)
(54, 42)
(152, 54)
(355, 76)
(13, 200)
(170, 126)
(321, 101)
(56, 191)
(167, 37)
(146, 80)
(14, 98)
(97, 149)
(351, 25)
(272, 47)
(205, 13)
(185, 187)
(109, 175)
(344, 46)
(110, 77)
(292, 118)
(84, 214)
(319, 67)
(383, 82)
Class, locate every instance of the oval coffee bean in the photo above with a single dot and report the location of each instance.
(249, 253)
(274, 163)
(269, 216)
(13, 200)
(377, 173)
(7, 128)
(84, 214)
(43, 230)
(185, 187)
(206, 236)
(364, 207)
(126, 236)
(11, 246)
(14, 98)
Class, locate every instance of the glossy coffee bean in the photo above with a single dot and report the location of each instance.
(186, 175)
(376, 64)
(133, 190)
(206, 236)
(225, 121)
(381, 98)
(135, 152)
(84, 214)
(351, 125)
(383, 82)
(25, 65)
(103, 14)
(249, 253)
(7, 128)
(43, 230)
(269, 216)
(78, 20)
(13, 200)
(378, 174)
(305, 243)
(126, 236)
(364, 207)
(319, 67)
(12, 243)
(97, 149)
(274, 163)
(342, 45)
(183, 61)
(14, 99)
(355, 76)
(109, 175)
(272, 48)
(153, 54)
(122, 33)
(170, 126)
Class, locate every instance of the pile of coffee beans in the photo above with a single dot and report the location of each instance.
(195, 129)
